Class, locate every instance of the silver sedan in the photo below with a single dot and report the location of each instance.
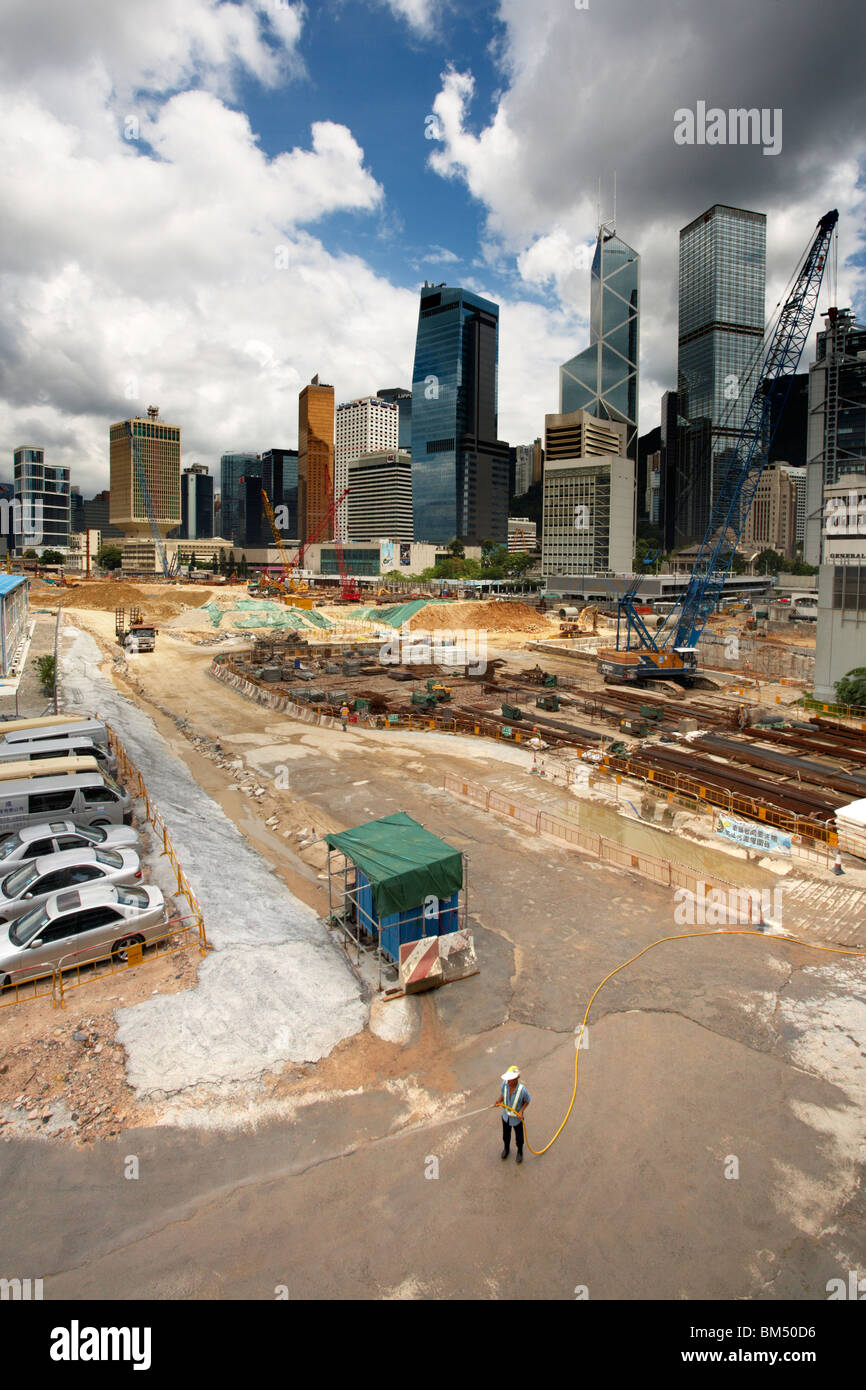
(51, 837)
(35, 881)
(80, 925)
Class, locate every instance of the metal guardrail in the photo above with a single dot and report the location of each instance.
(742, 903)
(54, 982)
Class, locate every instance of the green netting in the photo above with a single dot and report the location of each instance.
(267, 614)
(396, 614)
(404, 862)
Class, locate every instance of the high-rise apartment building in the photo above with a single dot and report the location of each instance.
(459, 465)
(380, 501)
(403, 400)
(524, 457)
(233, 467)
(837, 419)
(41, 506)
(722, 272)
(315, 461)
(603, 379)
(196, 503)
(364, 426)
(156, 475)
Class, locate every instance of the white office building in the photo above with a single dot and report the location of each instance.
(589, 497)
(368, 425)
(380, 500)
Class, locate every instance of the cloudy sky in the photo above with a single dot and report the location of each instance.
(205, 202)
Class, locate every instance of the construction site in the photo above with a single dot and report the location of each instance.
(435, 871)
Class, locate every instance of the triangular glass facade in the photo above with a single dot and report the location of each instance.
(603, 379)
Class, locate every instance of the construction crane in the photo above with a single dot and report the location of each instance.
(285, 584)
(672, 652)
(296, 561)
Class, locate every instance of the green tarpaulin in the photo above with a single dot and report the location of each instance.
(403, 861)
(395, 614)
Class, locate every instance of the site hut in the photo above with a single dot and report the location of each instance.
(391, 882)
(14, 620)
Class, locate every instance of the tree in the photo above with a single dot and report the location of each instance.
(851, 689)
(738, 563)
(769, 562)
(230, 563)
(456, 548)
(51, 557)
(192, 564)
(109, 557)
(221, 565)
(30, 555)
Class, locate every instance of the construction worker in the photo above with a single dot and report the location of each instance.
(513, 1102)
(344, 715)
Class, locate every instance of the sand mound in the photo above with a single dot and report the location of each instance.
(480, 614)
(155, 607)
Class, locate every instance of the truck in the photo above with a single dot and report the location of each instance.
(134, 634)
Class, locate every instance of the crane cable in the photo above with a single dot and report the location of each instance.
(685, 936)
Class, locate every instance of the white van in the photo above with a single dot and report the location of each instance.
(80, 793)
(52, 726)
(49, 749)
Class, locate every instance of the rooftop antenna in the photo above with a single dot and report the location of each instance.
(614, 201)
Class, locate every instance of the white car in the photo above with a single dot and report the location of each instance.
(51, 837)
(38, 879)
(80, 925)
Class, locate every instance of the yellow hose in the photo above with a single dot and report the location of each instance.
(685, 936)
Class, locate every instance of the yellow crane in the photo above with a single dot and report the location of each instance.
(286, 585)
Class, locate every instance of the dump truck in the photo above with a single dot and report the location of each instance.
(133, 633)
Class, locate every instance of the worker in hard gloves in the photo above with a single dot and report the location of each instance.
(513, 1102)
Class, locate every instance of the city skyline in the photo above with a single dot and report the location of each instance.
(293, 221)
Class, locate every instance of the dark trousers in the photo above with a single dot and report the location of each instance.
(507, 1131)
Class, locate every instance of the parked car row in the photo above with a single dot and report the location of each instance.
(70, 888)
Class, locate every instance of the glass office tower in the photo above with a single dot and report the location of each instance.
(233, 467)
(721, 326)
(43, 495)
(459, 466)
(603, 379)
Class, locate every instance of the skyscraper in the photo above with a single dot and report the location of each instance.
(403, 399)
(233, 467)
(603, 379)
(42, 495)
(158, 447)
(837, 419)
(721, 326)
(196, 503)
(315, 461)
(459, 465)
(280, 482)
(364, 426)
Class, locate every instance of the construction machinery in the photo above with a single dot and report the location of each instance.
(134, 634)
(671, 653)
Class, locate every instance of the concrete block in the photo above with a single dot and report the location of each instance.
(420, 965)
(457, 955)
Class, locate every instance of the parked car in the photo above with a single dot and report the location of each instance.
(51, 837)
(80, 925)
(33, 882)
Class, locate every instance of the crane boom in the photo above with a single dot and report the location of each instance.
(735, 495)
